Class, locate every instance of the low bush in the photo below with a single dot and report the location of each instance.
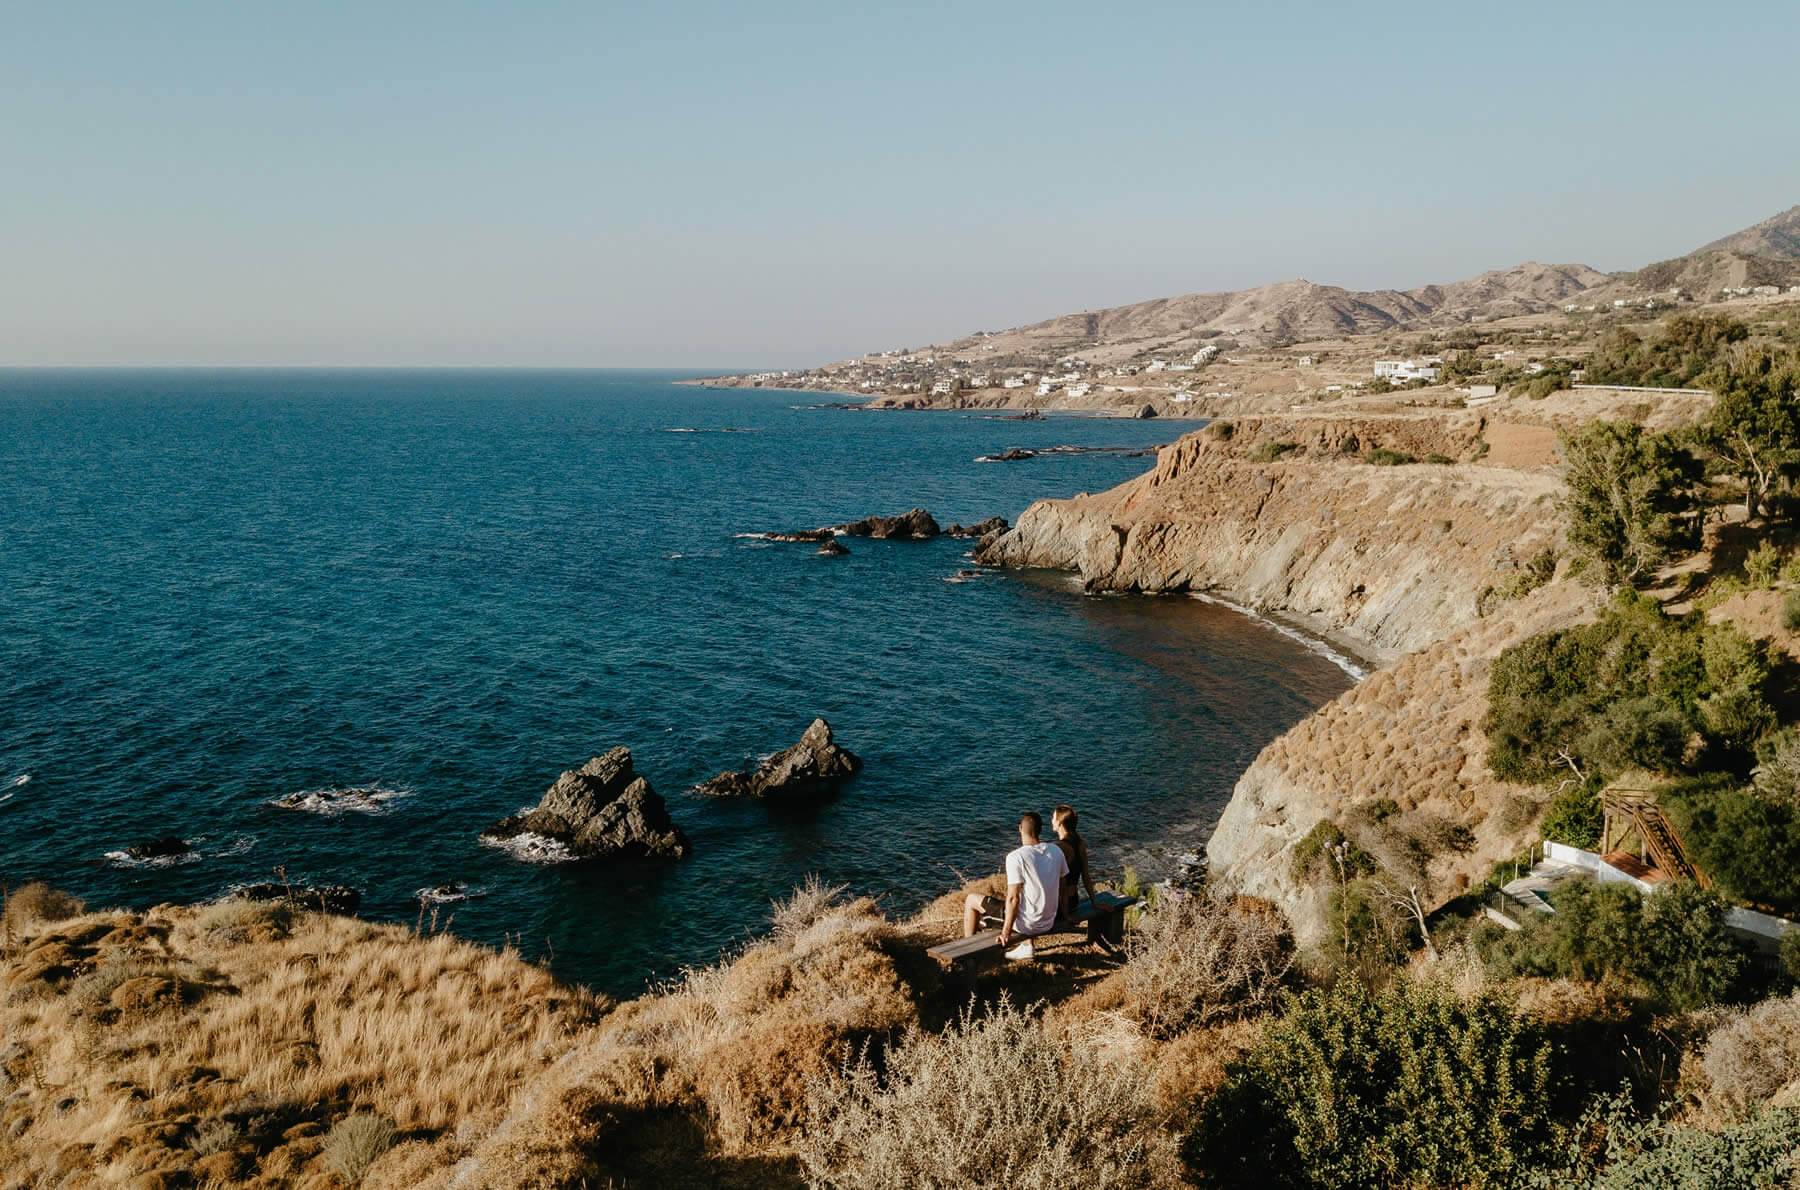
(992, 1102)
(810, 901)
(1754, 1053)
(1762, 566)
(37, 903)
(1615, 1149)
(1746, 840)
(1410, 1088)
(1790, 611)
(354, 1143)
(1269, 452)
(1575, 817)
(1381, 456)
(1200, 959)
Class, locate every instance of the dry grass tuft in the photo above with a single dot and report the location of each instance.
(37, 903)
(355, 1143)
(1754, 1054)
(1200, 959)
(993, 1102)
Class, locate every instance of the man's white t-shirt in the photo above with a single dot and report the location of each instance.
(1040, 867)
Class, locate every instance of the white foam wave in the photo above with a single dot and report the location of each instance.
(449, 894)
(1312, 644)
(21, 779)
(239, 845)
(533, 848)
(367, 799)
(124, 859)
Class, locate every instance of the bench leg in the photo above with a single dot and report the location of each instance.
(1107, 929)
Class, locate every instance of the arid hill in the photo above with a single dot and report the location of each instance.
(1777, 237)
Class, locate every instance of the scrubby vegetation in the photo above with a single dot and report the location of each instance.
(1638, 688)
(1416, 1086)
(1671, 949)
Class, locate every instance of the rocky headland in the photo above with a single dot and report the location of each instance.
(603, 810)
(1424, 569)
(814, 767)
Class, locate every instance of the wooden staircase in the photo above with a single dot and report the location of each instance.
(1634, 811)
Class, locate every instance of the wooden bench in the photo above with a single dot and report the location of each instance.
(1103, 919)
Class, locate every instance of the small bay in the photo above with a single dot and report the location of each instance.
(219, 589)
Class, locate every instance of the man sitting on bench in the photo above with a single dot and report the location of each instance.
(1034, 876)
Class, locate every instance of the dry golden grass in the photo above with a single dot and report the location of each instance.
(253, 1045)
(224, 1043)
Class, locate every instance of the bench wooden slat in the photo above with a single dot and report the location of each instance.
(1103, 905)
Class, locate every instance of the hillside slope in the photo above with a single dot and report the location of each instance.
(1777, 236)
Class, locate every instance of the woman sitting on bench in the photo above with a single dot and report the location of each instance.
(1063, 820)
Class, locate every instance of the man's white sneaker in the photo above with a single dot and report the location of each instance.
(1024, 950)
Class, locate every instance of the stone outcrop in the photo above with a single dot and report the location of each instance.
(1380, 560)
(915, 525)
(327, 898)
(994, 524)
(601, 810)
(831, 547)
(168, 847)
(814, 767)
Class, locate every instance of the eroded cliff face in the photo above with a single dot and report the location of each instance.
(1410, 733)
(1380, 559)
(1397, 563)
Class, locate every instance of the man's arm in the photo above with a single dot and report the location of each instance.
(1012, 910)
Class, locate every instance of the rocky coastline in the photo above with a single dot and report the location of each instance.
(1398, 564)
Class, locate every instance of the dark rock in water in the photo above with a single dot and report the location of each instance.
(833, 548)
(329, 898)
(916, 525)
(994, 524)
(602, 810)
(163, 848)
(1016, 454)
(811, 768)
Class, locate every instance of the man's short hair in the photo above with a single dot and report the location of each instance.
(1031, 819)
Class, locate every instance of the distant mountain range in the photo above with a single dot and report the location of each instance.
(1297, 311)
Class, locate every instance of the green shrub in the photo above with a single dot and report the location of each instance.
(1617, 1150)
(1381, 456)
(1412, 1087)
(1790, 611)
(1762, 566)
(1628, 691)
(1671, 947)
(1314, 856)
(1629, 498)
(1748, 842)
(1575, 817)
(1269, 452)
(1438, 459)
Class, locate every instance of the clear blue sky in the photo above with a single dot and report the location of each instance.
(253, 182)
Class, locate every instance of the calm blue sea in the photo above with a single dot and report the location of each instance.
(218, 588)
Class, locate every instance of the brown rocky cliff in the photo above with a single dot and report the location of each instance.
(1382, 560)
